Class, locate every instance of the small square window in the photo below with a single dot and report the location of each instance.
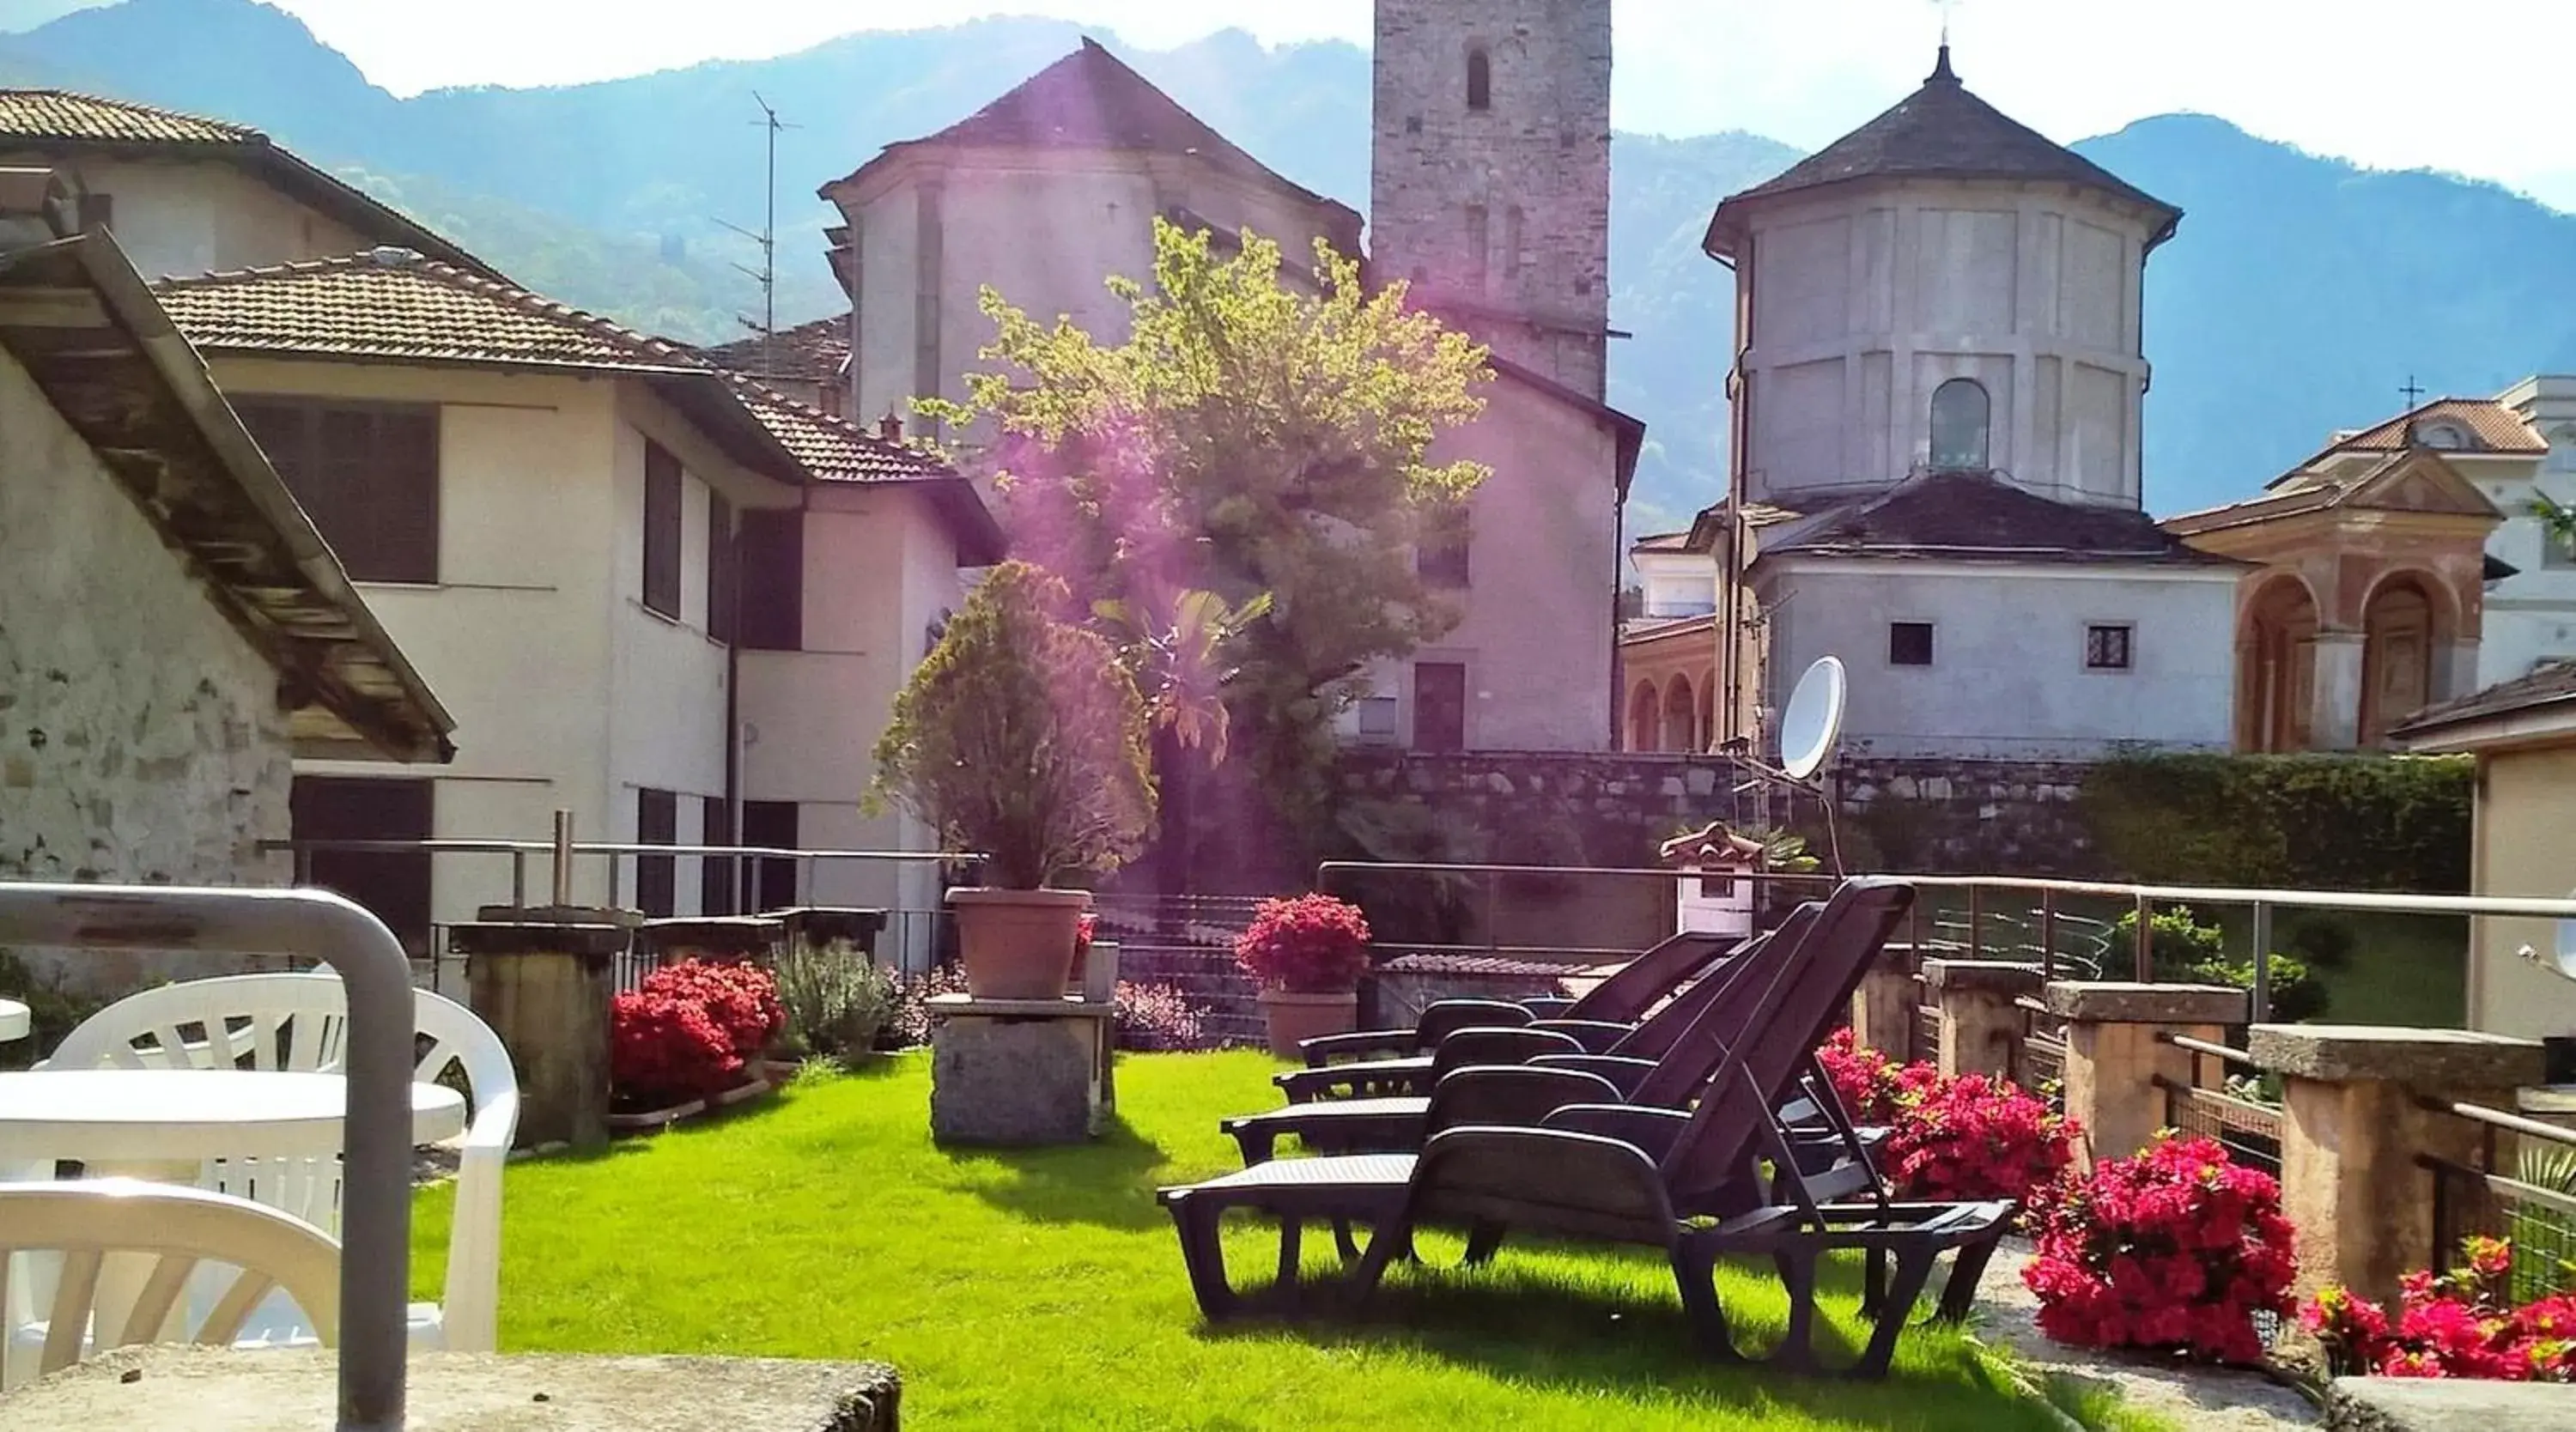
(2106, 647)
(1909, 643)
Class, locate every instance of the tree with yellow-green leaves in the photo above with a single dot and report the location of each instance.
(1233, 492)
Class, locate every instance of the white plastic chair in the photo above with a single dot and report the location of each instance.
(93, 1223)
(298, 1022)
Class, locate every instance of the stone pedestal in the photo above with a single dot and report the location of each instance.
(1979, 1022)
(290, 1390)
(2352, 1128)
(1882, 1012)
(545, 989)
(756, 939)
(2113, 1055)
(1019, 1071)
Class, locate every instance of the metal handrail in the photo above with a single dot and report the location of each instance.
(375, 1199)
(2506, 905)
(2228, 1053)
(2499, 1119)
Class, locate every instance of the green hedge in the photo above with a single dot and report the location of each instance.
(2392, 823)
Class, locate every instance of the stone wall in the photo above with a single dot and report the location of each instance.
(1963, 817)
(140, 737)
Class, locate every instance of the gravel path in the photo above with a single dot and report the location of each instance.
(2194, 1398)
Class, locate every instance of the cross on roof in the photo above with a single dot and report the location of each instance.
(2414, 392)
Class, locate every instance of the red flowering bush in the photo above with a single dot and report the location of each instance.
(664, 1049)
(1313, 944)
(2457, 1324)
(2176, 1250)
(1962, 1138)
(741, 998)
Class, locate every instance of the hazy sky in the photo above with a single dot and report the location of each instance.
(2467, 85)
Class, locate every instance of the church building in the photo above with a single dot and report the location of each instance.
(1491, 195)
(1938, 392)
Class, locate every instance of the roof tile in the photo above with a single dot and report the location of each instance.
(836, 449)
(2552, 683)
(1969, 515)
(2489, 425)
(66, 115)
(807, 353)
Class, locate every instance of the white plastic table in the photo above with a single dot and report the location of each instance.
(13, 1020)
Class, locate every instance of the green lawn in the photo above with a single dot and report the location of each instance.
(1043, 1289)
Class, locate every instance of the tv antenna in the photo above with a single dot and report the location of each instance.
(1810, 726)
(767, 274)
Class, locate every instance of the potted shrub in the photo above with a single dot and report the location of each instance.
(1307, 955)
(1021, 737)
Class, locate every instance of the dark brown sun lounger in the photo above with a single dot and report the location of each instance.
(1650, 1063)
(1381, 1061)
(1621, 1173)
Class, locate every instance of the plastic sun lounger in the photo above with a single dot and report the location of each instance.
(1652, 1063)
(1621, 1173)
(1384, 1061)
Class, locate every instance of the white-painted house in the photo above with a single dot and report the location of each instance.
(1938, 392)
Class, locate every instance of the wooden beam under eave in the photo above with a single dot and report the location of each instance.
(33, 307)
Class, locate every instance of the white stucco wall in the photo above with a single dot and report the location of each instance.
(140, 736)
(193, 216)
(2530, 616)
(1864, 300)
(2007, 679)
(1677, 584)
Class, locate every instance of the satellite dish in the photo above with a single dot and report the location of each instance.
(1814, 720)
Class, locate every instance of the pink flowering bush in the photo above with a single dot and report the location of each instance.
(1313, 944)
(2456, 1324)
(1159, 1019)
(1950, 1138)
(2175, 1250)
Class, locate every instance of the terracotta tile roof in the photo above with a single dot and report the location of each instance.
(1643, 629)
(1091, 99)
(1941, 131)
(1663, 542)
(834, 449)
(1966, 516)
(815, 352)
(2490, 426)
(62, 119)
(62, 114)
(2548, 686)
(395, 305)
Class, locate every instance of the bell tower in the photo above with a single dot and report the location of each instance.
(1490, 175)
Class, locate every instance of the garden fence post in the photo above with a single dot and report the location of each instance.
(546, 990)
(1979, 1022)
(2114, 1054)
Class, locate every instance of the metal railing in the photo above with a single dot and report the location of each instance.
(2534, 1206)
(2039, 1054)
(2235, 1110)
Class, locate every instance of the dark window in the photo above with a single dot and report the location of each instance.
(1480, 79)
(1440, 559)
(657, 822)
(2106, 647)
(1962, 418)
(366, 474)
(721, 576)
(771, 545)
(97, 212)
(1439, 706)
(661, 531)
(1909, 643)
(395, 886)
(771, 825)
(716, 881)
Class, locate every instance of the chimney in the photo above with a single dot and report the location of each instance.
(34, 206)
(890, 427)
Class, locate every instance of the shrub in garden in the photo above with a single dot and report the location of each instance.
(835, 1001)
(1158, 1018)
(665, 1049)
(2457, 1324)
(1313, 944)
(910, 1026)
(2175, 1250)
(741, 998)
(1949, 1138)
(2183, 949)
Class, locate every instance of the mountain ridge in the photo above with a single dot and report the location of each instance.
(2300, 293)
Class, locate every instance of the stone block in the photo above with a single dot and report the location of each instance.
(546, 991)
(2004, 977)
(2412, 1404)
(2424, 1059)
(757, 938)
(269, 1390)
(1017, 1073)
(816, 927)
(2120, 1002)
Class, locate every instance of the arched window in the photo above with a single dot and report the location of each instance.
(1962, 419)
(1480, 79)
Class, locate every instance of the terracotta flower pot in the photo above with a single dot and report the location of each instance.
(1295, 1017)
(1017, 944)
